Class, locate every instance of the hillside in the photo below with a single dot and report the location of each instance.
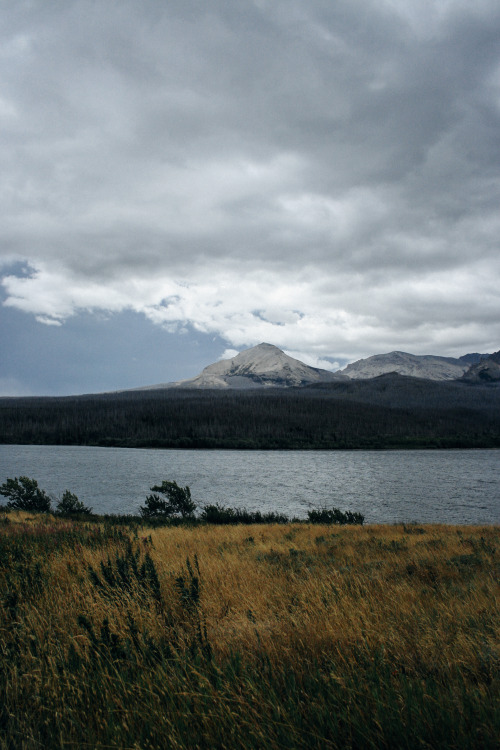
(390, 411)
(486, 371)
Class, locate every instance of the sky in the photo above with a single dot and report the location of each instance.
(183, 179)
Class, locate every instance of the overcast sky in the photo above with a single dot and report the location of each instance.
(182, 179)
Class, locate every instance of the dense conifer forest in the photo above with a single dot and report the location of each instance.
(388, 411)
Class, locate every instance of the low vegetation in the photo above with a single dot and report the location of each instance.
(274, 635)
(25, 494)
(176, 502)
(171, 505)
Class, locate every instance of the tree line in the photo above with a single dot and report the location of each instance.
(387, 413)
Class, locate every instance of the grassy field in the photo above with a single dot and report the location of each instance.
(269, 636)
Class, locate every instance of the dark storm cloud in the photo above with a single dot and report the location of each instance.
(333, 165)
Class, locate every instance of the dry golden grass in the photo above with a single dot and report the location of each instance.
(336, 605)
(306, 587)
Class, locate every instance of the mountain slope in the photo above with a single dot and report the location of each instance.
(474, 358)
(418, 366)
(261, 366)
(486, 371)
(386, 412)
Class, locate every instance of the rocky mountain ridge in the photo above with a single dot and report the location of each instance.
(429, 367)
(267, 366)
(261, 366)
(485, 371)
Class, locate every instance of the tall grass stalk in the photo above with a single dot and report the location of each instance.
(297, 636)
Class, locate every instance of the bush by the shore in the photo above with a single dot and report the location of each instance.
(169, 504)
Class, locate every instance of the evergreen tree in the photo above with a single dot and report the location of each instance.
(25, 494)
(177, 501)
(70, 505)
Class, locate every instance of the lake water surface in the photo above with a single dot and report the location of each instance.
(386, 486)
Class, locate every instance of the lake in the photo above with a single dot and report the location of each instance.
(386, 486)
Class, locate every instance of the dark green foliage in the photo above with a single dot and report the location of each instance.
(112, 650)
(43, 539)
(479, 546)
(466, 564)
(223, 515)
(188, 585)
(335, 516)
(176, 506)
(25, 494)
(296, 561)
(70, 505)
(391, 411)
(107, 644)
(128, 572)
(176, 503)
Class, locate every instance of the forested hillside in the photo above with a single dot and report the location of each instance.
(389, 411)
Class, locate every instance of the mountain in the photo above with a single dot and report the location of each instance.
(266, 366)
(246, 402)
(474, 358)
(486, 371)
(261, 366)
(418, 366)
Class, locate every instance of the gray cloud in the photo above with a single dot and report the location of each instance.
(321, 175)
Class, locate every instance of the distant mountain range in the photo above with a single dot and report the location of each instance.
(261, 366)
(265, 366)
(263, 399)
(424, 366)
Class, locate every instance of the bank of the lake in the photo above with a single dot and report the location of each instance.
(386, 486)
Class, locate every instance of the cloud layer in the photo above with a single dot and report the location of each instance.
(323, 176)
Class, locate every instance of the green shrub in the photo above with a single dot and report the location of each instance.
(25, 494)
(334, 515)
(177, 502)
(126, 572)
(219, 514)
(70, 505)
